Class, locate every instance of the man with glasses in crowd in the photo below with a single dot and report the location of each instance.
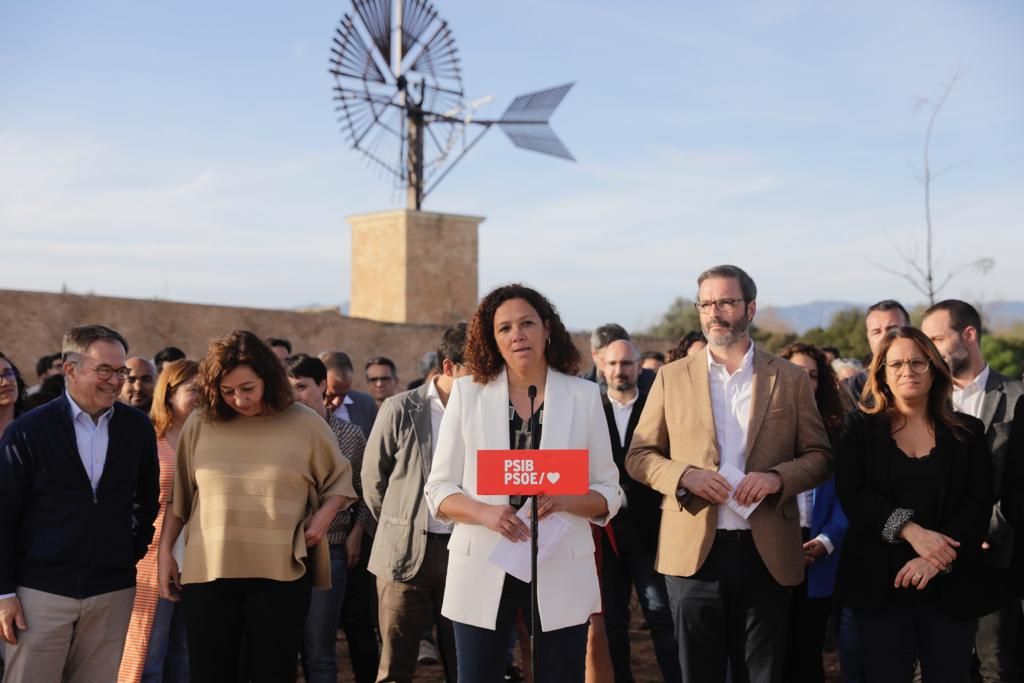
(78, 495)
(381, 378)
(725, 430)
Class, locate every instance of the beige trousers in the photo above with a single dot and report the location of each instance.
(69, 640)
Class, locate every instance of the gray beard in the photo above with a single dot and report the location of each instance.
(737, 333)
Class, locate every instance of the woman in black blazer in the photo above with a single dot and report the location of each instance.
(915, 481)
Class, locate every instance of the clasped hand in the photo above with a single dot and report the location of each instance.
(937, 548)
(713, 487)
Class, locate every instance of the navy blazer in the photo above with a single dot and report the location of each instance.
(362, 412)
(827, 518)
(56, 534)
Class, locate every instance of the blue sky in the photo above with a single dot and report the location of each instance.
(189, 151)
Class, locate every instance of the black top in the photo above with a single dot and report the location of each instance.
(56, 534)
(880, 488)
(524, 435)
(915, 485)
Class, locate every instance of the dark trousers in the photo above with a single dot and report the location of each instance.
(634, 566)
(996, 644)
(808, 619)
(730, 610)
(268, 614)
(894, 637)
(410, 608)
(561, 654)
(358, 617)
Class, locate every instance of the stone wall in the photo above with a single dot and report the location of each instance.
(32, 324)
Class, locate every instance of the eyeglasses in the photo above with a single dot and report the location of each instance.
(9, 375)
(918, 366)
(105, 372)
(379, 380)
(724, 305)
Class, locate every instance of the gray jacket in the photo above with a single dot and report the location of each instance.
(997, 408)
(395, 468)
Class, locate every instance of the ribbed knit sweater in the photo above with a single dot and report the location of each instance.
(245, 487)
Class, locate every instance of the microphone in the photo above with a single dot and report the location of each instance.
(531, 391)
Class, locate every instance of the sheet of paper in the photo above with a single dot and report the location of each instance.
(514, 558)
(734, 477)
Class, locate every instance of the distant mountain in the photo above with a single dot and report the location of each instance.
(1003, 314)
(802, 317)
(999, 315)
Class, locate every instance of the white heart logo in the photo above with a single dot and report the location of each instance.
(553, 477)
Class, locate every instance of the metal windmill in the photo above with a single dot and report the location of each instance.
(400, 101)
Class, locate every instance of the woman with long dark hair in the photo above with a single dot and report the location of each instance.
(824, 527)
(259, 479)
(12, 393)
(516, 347)
(915, 481)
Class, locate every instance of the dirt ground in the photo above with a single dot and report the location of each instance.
(645, 669)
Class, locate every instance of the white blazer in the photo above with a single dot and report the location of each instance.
(477, 417)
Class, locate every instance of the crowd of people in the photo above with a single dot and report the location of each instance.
(223, 518)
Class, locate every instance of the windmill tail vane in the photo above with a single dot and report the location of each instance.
(402, 105)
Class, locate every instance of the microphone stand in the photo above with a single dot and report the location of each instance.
(534, 535)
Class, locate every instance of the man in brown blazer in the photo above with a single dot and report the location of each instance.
(730, 408)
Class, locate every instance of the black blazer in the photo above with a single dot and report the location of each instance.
(56, 534)
(869, 564)
(643, 504)
(1013, 494)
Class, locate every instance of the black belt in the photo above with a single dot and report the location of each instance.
(733, 534)
(432, 536)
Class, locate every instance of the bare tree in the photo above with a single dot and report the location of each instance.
(921, 273)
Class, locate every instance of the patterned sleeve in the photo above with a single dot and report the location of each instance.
(353, 444)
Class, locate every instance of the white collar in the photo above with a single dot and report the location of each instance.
(978, 383)
(745, 364)
(76, 410)
(620, 405)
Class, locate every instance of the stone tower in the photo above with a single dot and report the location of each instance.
(413, 266)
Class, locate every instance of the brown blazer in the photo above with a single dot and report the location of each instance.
(677, 430)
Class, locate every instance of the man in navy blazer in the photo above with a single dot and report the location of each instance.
(79, 486)
(349, 405)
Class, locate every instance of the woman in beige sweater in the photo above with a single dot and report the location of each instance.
(259, 479)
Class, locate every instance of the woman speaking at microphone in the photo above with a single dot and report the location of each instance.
(516, 342)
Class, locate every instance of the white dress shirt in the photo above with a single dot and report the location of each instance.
(436, 413)
(92, 438)
(622, 413)
(731, 396)
(969, 399)
(341, 412)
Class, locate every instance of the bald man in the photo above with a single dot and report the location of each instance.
(138, 388)
(631, 562)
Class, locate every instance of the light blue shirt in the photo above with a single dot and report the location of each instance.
(92, 438)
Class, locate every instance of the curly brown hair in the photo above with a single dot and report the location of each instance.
(827, 395)
(877, 397)
(241, 347)
(482, 355)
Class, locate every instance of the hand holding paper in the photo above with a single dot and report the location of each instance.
(514, 558)
(734, 477)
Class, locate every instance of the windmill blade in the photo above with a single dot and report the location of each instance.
(376, 16)
(535, 107)
(350, 58)
(439, 57)
(537, 137)
(417, 16)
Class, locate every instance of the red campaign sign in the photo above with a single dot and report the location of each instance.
(532, 472)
